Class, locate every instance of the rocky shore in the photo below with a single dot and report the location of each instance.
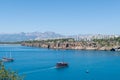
(77, 45)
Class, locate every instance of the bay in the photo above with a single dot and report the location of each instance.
(39, 63)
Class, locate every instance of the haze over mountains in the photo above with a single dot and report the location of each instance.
(5, 37)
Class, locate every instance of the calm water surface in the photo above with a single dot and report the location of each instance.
(39, 63)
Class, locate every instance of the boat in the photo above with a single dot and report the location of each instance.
(87, 71)
(61, 64)
(7, 59)
(4, 59)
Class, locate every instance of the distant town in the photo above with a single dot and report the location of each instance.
(13, 37)
(58, 41)
(80, 42)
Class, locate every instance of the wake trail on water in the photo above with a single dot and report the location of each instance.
(38, 70)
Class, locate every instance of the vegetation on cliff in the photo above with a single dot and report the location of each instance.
(11, 42)
(52, 40)
(8, 74)
(108, 42)
(69, 43)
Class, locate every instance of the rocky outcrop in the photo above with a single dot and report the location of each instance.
(68, 45)
(115, 49)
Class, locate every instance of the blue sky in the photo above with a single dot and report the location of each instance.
(60, 16)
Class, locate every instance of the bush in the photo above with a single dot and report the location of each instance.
(8, 74)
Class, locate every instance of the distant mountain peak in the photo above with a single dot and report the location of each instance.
(6, 37)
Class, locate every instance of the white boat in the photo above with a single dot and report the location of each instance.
(8, 59)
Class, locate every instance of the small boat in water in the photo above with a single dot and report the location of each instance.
(87, 71)
(7, 59)
(61, 64)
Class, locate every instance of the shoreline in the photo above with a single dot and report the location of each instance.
(65, 46)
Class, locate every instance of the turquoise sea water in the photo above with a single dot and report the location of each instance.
(39, 63)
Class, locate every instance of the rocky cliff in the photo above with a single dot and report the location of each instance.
(81, 45)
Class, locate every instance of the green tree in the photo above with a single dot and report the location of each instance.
(8, 74)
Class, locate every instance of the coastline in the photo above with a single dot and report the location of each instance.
(68, 45)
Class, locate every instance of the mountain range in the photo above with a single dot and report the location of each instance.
(14, 37)
(6, 37)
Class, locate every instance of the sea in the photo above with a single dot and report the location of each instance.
(40, 63)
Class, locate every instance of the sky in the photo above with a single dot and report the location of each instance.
(66, 17)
